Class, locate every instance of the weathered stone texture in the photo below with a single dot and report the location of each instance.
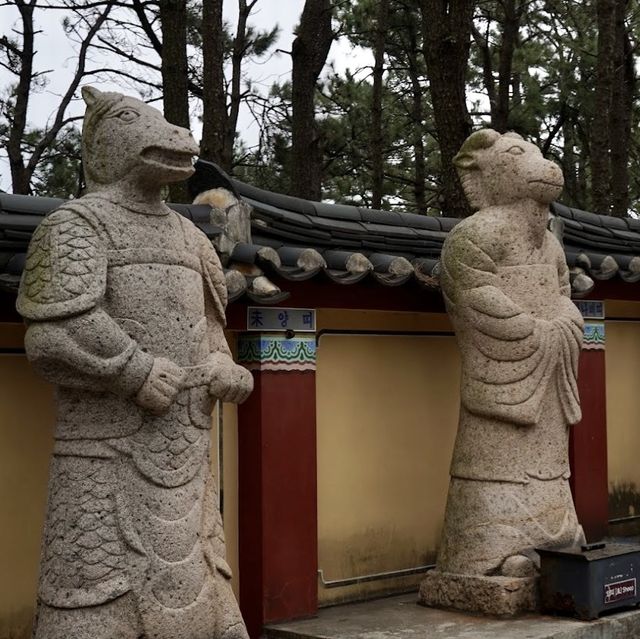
(506, 287)
(499, 596)
(125, 303)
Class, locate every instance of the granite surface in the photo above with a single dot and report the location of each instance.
(506, 287)
(125, 305)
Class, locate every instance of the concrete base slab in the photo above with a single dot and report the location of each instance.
(402, 618)
(498, 596)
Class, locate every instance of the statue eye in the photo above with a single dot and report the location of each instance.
(128, 116)
(516, 150)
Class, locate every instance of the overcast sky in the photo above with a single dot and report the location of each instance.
(56, 53)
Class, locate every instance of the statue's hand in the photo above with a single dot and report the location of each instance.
(229, 382)
(161, 387)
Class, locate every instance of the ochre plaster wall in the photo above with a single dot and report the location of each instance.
(364, 320)
(228, 488)
(387, 410)
(26, 439)
(229, 451)
(622, 357)
(230, 500)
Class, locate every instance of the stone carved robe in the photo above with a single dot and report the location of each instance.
(132, 526)
(520, 338)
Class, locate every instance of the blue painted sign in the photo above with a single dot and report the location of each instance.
(590, 309)
(276, 319)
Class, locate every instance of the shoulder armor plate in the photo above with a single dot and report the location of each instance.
(66, 267)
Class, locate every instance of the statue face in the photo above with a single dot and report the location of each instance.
(125, 138)
(509, 170)
(517, 170)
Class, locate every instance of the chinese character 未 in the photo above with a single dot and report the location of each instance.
(255, 318)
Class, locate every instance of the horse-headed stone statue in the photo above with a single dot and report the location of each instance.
(125, 305)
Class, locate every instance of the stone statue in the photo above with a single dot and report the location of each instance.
(506, 287)
(125, 305)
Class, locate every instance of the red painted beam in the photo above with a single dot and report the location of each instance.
(278, 532)
(615, 289)
(588, 447)
(321, 292)
(8, 311)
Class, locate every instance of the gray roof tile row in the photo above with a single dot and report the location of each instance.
(299, 239)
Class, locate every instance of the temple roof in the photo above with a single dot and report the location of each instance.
(298, 240)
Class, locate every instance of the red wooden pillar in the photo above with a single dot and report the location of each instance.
(278, 547)
(588, 442)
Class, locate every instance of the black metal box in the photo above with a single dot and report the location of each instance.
(586, 581)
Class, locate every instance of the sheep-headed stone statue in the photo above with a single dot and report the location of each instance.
(125, 305)
(506, 286)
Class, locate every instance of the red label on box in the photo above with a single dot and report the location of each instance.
(619, 590)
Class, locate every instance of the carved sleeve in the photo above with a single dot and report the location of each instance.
(471, 288)
(70, 339)
(215, 297)
(508, 354)
(570, 325)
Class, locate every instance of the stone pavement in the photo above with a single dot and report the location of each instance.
(400, 617)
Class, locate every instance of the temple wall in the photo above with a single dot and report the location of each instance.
(26, 440)
(386, 423)
(387, 410)
(229, 497)
(622, 356)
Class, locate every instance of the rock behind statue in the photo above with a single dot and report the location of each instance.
(125, 305)
(506, 287)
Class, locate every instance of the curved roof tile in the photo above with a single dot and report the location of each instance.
(298, 239)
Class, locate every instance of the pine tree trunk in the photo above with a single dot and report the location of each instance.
(569, 165)
(600, 140)
(309, 54)
(621, 113)
(482, 43)
(509, 39)
(20, 176)
(446, 29)
(239, 46)
(417, 115)
(583, 193)
(214, 106)
(175, 84)
(516, 90)
(377, 133)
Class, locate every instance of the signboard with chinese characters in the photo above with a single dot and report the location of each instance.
(591, 309)
(270, 319)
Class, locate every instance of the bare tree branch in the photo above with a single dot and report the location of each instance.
(52, 132)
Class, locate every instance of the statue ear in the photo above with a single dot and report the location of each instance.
(465, 161)
(90, 95)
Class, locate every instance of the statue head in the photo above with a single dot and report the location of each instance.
(123, 137)
(499, 168)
